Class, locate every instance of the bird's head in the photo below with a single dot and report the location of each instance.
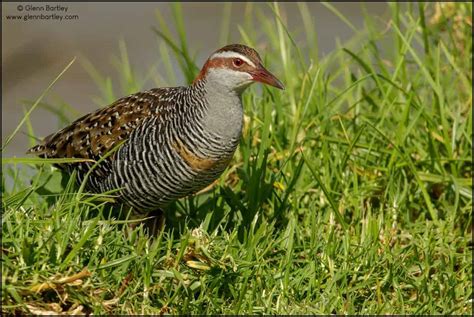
(234, 67)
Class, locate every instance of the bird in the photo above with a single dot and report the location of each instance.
(157, 146)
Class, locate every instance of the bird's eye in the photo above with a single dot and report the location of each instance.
(238, 62)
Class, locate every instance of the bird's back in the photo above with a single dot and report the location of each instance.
(95, 134)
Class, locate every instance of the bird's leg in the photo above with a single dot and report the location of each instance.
(156, 224)
(153, 225)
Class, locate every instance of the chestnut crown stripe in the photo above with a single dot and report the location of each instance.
(229, 54)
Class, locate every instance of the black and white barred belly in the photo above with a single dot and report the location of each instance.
(165, 160)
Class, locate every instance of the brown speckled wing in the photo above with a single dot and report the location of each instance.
(92, 135)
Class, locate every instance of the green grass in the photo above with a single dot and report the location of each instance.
(351, 191)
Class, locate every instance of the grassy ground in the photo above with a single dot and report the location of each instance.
(351, 191)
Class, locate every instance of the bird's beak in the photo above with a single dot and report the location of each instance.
(264, 76)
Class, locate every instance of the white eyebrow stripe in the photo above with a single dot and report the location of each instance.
(230, 54)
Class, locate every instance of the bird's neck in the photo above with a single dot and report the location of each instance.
(224, 113)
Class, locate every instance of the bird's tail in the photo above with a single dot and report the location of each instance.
(37, 149)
